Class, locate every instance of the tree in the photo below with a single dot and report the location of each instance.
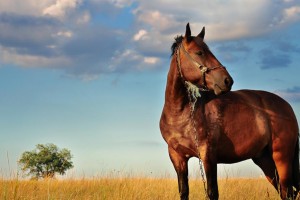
(45, 161)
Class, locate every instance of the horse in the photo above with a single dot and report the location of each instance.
(203, 118)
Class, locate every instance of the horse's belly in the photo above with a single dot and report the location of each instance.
(238, 152)
(243, 142)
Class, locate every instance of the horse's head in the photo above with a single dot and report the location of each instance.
(197, 64)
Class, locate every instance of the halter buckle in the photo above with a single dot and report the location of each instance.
(203, 69)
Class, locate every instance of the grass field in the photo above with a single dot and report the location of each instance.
(122, 188)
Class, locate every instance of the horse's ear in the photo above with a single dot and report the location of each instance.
(188, 34)
(202, 33)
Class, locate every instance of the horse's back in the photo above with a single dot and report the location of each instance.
(272, 103)
(262, 101)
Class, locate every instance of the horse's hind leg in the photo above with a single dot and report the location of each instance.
(284, 166)
(181, 167)
(296, 170)
(266, 163)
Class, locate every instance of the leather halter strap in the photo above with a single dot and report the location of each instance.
(202, 67)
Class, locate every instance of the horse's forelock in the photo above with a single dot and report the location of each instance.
(177, 42)
(179, 39)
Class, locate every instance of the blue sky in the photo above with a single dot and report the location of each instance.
(90, 75)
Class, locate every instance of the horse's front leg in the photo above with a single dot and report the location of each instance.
(181, 167)
(212, 183)
(210, 166)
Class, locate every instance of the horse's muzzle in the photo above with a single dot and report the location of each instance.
(223, 87)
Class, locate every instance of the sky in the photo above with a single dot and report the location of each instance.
(90, 75)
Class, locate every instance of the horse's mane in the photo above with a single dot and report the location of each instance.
(178, 40)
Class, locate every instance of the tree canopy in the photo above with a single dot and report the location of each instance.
(45, 161)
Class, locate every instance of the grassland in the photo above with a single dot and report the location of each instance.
(127, 188)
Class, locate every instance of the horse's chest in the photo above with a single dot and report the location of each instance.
(180, 136)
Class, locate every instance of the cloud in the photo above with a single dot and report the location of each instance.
(8, 55)
(277, 53)
(83, 18)
(46, 42)
(25, 34)
(61, 7)
(233, 51)
(140, 35)
(291, 14)
(67, 34)
(89, 38)
(290, 94)
(225, 20)
(270, 59)
(150, 60)
(131, 60)
(28, 7)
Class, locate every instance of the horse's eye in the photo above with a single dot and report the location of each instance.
(200, 53)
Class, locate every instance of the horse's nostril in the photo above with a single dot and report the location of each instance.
(228, 82)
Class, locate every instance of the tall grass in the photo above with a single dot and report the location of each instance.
(126, 188)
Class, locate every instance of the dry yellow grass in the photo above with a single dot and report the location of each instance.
(130, 188)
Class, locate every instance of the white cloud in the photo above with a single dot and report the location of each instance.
(127, 55)
(60, 7)
(66, 34)
(140, 35)
(120, 3)
(84, 18)
(158, 22)
(157, 19)
(291, 14)
(132, 60)
(224, 20)
(151, 60)
(21, 7)
(54, 8)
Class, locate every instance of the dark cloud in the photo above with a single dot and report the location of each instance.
(287, 47)
(270, 59)
(233, 51)
(290, 94)
(28, 34)
(278, 52)
(27, 20)
(96, 42)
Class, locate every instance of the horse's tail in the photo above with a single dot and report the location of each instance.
(296, 170)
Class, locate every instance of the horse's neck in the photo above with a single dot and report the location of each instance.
(175, 97)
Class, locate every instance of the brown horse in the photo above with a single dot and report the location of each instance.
(197, 121)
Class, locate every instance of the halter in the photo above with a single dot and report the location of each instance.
(203, 87)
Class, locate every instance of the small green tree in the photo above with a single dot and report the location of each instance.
(45, 161)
